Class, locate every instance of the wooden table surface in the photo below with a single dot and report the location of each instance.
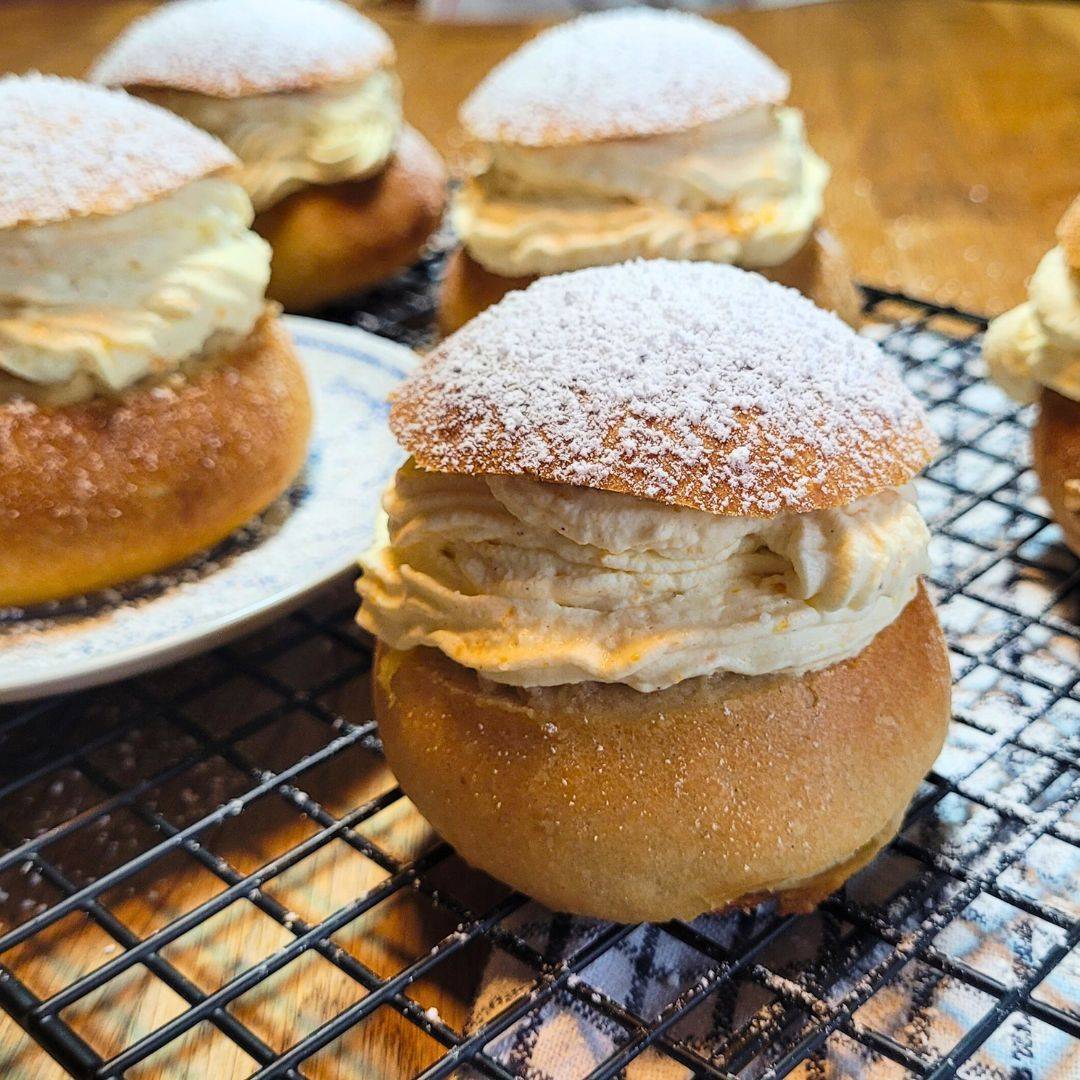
(953, 128)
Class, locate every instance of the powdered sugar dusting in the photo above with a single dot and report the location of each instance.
(689, 383)
(621, 73)
(228, 48)
(69, 149)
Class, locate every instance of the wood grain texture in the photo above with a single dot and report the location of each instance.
(953, 126)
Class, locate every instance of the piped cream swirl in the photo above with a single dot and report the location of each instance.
(535, 584)
(746, 189)
(286, 141)
(95, 304)
(1038, 342)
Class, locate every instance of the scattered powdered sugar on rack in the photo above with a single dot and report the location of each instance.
(68, 149)
(228, 48)
(621, 73)
(690, 383)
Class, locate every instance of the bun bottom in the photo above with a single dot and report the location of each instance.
(719, 791)
(819, 270)
(1056, 445)
(335, 240)
(98, 493)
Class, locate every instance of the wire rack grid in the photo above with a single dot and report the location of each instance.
(140, 822)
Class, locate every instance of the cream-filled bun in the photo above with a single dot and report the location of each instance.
(1033, 351)
(150, 402)
(648, 598)
(305, 94)
(639, 134)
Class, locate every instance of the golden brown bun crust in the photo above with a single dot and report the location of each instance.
(604, 801)
(1068, 233)
(820, 271)
(331, 241)
(100, 492)
(1056, 442)
(467, 289)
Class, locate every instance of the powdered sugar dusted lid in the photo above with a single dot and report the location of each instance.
(68, 149)
(621, 74)
(689, 383)
(229, 48)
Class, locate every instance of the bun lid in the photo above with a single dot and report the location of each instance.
(693, 384)
(68, 149)
(232, 48)
(1068, 233)
(621, 74)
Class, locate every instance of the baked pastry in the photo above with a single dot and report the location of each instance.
(150, 402)
(1033, 351)
(651, 634)
(304, 93)
(638, 134)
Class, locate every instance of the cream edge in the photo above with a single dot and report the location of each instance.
(1037, 343)
(289, 140)
(96, 304)
(533, 584)
(746, 190)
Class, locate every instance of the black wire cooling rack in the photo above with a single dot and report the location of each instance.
(210, 869)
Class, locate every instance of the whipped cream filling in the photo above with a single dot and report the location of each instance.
(746, 189)
(1037, 343)
(286, 141)
(97, 303)
(535, 584)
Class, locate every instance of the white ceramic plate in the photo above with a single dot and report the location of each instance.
(310, 538)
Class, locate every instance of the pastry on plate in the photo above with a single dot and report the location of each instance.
(150, 401)
(638, 134)
(305, 94)
(1033, 351)
(652, 636)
